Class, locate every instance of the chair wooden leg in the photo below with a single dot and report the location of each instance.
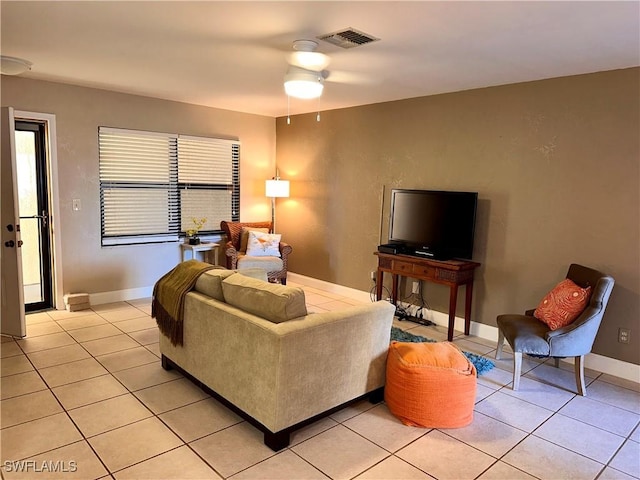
(556, 361)
(578, 363)
(517, 368)
(500, 344)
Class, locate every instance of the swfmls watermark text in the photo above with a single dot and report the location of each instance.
(51, 466)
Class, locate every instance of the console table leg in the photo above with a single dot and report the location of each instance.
(467, 308)
(394, 288)
(379, 279)
(453, 300)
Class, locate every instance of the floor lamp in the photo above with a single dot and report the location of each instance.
(276, 188)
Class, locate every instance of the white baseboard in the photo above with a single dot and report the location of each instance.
(600, 363)
(120, 295)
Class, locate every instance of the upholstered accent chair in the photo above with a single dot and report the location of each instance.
(236, 248)
(526, 334)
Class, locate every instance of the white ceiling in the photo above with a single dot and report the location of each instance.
(232, 55)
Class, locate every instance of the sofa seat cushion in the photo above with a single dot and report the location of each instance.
(270, 264)
(274, 302)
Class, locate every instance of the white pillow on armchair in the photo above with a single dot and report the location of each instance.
(263, 244)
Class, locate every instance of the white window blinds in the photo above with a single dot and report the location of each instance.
(153, 184)
(207, 168)
(205, 160)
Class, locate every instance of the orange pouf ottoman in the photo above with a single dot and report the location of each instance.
(430, 385)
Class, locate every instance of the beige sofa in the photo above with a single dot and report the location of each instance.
(252, 345)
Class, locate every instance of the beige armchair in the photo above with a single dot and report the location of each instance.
(235, 251)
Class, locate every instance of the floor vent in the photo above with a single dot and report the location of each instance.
(348, 38)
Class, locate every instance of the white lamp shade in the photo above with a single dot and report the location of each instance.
(277, 188)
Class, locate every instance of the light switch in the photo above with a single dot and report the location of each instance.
(76, 204)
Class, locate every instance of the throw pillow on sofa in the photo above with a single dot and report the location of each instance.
(271, 301)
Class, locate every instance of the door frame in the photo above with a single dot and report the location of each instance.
(51, 146)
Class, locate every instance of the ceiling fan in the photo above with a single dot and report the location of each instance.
(307, 70)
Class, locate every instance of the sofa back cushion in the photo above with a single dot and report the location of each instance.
(210, 282)
(271, 301)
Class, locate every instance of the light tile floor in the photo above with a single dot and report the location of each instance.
(85, 392)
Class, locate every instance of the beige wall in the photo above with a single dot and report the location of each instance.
(87, 267)
(556, 164)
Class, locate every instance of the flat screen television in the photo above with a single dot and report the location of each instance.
(433, 224)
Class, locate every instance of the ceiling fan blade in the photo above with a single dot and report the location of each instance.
(351, 78)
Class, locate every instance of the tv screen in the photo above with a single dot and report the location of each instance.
(434, 224)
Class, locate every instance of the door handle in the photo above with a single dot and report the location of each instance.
(9, 244)
(44, 218)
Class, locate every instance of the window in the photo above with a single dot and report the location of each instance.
(153, 184)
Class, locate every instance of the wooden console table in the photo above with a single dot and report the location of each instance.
(447, 272)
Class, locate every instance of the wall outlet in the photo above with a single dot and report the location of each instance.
(372, 275)
(624, 335)
(415, 287)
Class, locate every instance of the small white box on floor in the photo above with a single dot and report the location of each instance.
(76, 301)
(78, 306)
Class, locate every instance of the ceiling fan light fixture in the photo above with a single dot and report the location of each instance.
(303, 84)
(304, 55)
(310, 60)
(13, 65)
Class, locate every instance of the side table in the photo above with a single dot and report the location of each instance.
(204, 247)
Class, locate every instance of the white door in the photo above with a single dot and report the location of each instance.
(12, 321)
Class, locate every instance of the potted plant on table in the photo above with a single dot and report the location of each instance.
(192, 233)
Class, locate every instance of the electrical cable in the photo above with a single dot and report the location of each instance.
(373, 293)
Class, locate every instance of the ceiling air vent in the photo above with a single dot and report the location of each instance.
(348, 38)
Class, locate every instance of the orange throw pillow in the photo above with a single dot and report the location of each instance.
(563, 304)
